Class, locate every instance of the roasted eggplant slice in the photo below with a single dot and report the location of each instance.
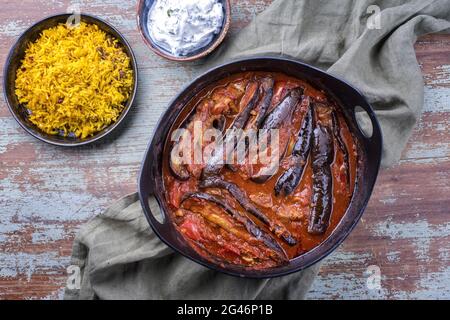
(287, 183)
(322, 156)
(247, 104)
(211, 113)
(265, 98)
(249, 225)
(283, 112)
(341, 144)
(178, 170)
(258, 114)
(278, 118)
(277, 228)
(181, 170)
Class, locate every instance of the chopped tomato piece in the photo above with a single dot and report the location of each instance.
(191, 229)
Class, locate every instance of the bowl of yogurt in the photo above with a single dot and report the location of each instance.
(183, 30)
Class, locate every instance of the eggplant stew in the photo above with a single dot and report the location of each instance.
(230, 205)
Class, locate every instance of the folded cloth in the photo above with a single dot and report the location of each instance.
(366, 42)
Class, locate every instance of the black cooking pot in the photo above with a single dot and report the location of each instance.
(151, 180)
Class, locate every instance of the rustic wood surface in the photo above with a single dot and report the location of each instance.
(47, 193)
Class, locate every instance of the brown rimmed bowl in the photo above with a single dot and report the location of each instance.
(151, 186)
(143, 9)
(13, 62)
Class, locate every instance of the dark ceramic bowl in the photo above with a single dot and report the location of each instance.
(13, 62)
(151, 181)
(144, 7)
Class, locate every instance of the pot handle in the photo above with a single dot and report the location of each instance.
(374, 136)
(150, 202)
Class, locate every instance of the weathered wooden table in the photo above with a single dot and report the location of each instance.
(47, 193)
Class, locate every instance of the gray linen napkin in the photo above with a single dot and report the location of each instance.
(120, 257)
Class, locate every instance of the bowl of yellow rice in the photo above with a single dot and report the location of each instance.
(70, 82)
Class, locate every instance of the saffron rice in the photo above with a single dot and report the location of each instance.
(74, 81)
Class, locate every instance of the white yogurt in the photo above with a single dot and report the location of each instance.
(184, 26)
